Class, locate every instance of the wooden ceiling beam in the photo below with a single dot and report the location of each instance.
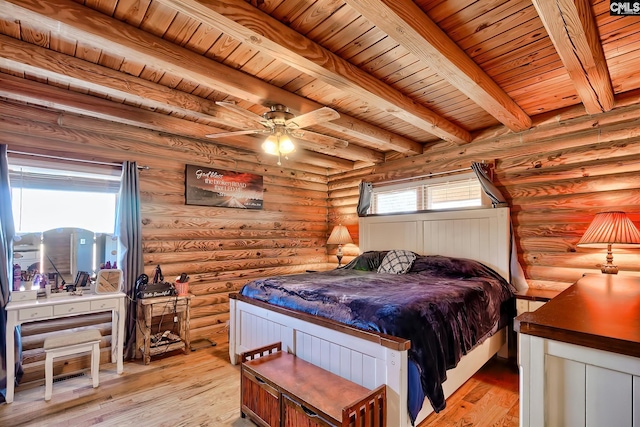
(372, 136)
(71, 19)
(22, 56)
(250, 25)
(409, 26)
(41, 62)
(19, 89)
(574, 33)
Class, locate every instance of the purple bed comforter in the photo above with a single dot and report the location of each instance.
(445, 306)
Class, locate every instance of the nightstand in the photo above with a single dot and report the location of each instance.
(532, 299)
(174, 310)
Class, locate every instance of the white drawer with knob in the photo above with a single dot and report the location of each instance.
(36, 313)
(71, 308)
(104, 305)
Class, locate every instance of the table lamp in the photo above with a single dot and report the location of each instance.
(610, 229)
(339, 236)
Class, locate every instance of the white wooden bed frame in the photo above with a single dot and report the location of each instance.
(366, 358)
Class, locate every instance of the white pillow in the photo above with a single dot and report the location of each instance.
(397, 262)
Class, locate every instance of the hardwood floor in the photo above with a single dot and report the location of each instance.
(489, 398)
(202, 389)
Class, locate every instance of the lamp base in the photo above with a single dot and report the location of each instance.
(609, 269)
(339, 254)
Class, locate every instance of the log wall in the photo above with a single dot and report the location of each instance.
(219, 248)
(556, 177)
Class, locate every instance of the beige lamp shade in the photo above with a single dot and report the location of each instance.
(609, 229)
(339, 236)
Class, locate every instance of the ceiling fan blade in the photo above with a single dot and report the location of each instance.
(234, 133)
(245, 113)
(320, 139)
(324, 114)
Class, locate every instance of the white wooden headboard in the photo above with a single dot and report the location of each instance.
(480, 234)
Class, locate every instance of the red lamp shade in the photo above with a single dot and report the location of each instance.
(610, 229)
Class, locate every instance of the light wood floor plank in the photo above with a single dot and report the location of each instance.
(202, 389)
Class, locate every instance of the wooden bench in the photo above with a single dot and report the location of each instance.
(279, 389)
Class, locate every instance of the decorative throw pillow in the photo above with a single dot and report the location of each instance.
(397, 262)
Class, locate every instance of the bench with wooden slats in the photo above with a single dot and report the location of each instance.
(279, 389)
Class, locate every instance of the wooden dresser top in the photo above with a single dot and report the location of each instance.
(600, 311)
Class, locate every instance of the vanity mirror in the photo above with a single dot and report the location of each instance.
(108, 281)
(62, 253)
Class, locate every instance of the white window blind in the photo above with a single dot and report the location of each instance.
(433, 194)
(454, 194)
(396, 201)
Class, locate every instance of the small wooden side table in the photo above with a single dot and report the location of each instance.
(176, 309)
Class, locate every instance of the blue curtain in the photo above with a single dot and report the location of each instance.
(7, 232)
(129, 231)
(515, 269)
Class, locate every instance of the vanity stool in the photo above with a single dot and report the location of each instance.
(71, 343)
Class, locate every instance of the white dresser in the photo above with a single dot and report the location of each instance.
(579, 356)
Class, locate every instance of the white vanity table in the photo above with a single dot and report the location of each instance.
(19, 312)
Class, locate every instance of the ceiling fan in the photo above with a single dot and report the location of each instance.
(279, 123)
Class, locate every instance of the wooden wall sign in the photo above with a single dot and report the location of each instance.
(215, 187)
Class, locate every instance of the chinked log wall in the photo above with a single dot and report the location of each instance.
(220, 248)
(556, 177)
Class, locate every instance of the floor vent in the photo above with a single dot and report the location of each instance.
(67, 377)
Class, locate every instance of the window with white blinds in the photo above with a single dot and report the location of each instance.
(438, 193)
(48, 195)
(454, 194)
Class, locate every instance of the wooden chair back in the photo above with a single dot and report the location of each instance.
(368, 412)
(262, 351)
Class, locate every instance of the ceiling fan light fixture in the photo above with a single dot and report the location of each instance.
(278, 144)
(270, 145)
(280, 123)
(286, 145)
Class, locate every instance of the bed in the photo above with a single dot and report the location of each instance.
(373, 358)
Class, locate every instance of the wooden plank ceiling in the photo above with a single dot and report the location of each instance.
(402, 74)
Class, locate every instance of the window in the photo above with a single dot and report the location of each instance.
(391, 201)
(64, 216)
(454, 194)
(457, 191)
(49, 196)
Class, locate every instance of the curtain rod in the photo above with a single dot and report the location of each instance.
(94, 162)
(429, 175)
